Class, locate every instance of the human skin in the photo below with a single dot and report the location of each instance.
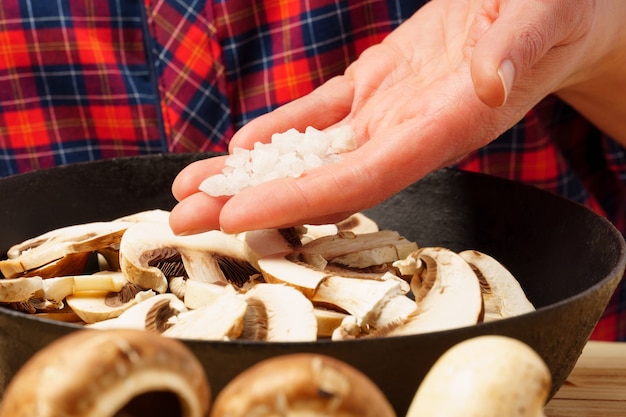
(449, 80)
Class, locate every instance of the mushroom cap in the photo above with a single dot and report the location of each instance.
(302, 384)
(96, 373)
(485, 376)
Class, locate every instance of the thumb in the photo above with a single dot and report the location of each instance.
(510, 37)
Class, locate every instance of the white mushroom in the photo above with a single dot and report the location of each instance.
(364, 299)
(278, 313)
(199, 294)
(360, 250)
(95, 306)
(16, 290)
(358, 223)
(301, 385)
(328, 320)
(56, 244)
(154, 313)
(487, 376)
(446, 290)
(145, 246)
(220, 320)
(56, 289)
(109, 373)
(502, 294)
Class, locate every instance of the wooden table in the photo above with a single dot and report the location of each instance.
(596, 386)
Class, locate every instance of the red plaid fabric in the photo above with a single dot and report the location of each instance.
(83, 80)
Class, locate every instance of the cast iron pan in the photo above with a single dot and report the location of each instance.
(568, 260)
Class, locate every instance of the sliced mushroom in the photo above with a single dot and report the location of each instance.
(107, 374)
(487, 376)
(446, 290)
(278, 313)
(502, 294)
(56, 289)
(328, 320)
(364, 299)
(56, 244)
(299, 385)
(199, 294)
(358, 223)
(70, 264)
(220, 320)
(17, 290)
(203, 255)
(360, 250)
(95, 306)
(279, 269)
(154, 313)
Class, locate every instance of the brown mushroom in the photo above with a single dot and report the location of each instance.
(302, 384)
(109, 373)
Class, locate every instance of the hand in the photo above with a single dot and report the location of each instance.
(446, 82)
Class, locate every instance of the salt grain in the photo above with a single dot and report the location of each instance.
(289, 154)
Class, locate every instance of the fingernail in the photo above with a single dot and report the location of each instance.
(506, 72)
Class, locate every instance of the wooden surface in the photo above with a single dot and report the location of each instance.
(596, 386)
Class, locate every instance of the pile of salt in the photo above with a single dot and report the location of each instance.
(289, 154)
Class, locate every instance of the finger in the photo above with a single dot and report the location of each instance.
(510, 37)
(198, 212)
(325, 106)
(189, 178)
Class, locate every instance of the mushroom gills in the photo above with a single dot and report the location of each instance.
(446, 290)
(278, 313)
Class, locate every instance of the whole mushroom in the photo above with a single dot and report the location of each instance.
(107, 373)
(486, 376)
(303, 384)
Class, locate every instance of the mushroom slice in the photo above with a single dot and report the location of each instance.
(328, 320)
(203, 255)
(446, 290)
(360, 251)
(17, 290)
(358, 223)
(303, 384)
(502, 294)
(70, 264)
(279, 269)
(56, 289)
(56, 244)
(154, 313)
(487, 376)
(94, 306)
(265, 242)
(281, 312)
(362, 298)
(199, 294)
(220, 320)
(109, 373)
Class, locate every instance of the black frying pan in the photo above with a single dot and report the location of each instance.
(568, 260)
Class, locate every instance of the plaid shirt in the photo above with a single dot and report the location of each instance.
(84, 80)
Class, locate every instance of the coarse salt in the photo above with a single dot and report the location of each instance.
(289, 154)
